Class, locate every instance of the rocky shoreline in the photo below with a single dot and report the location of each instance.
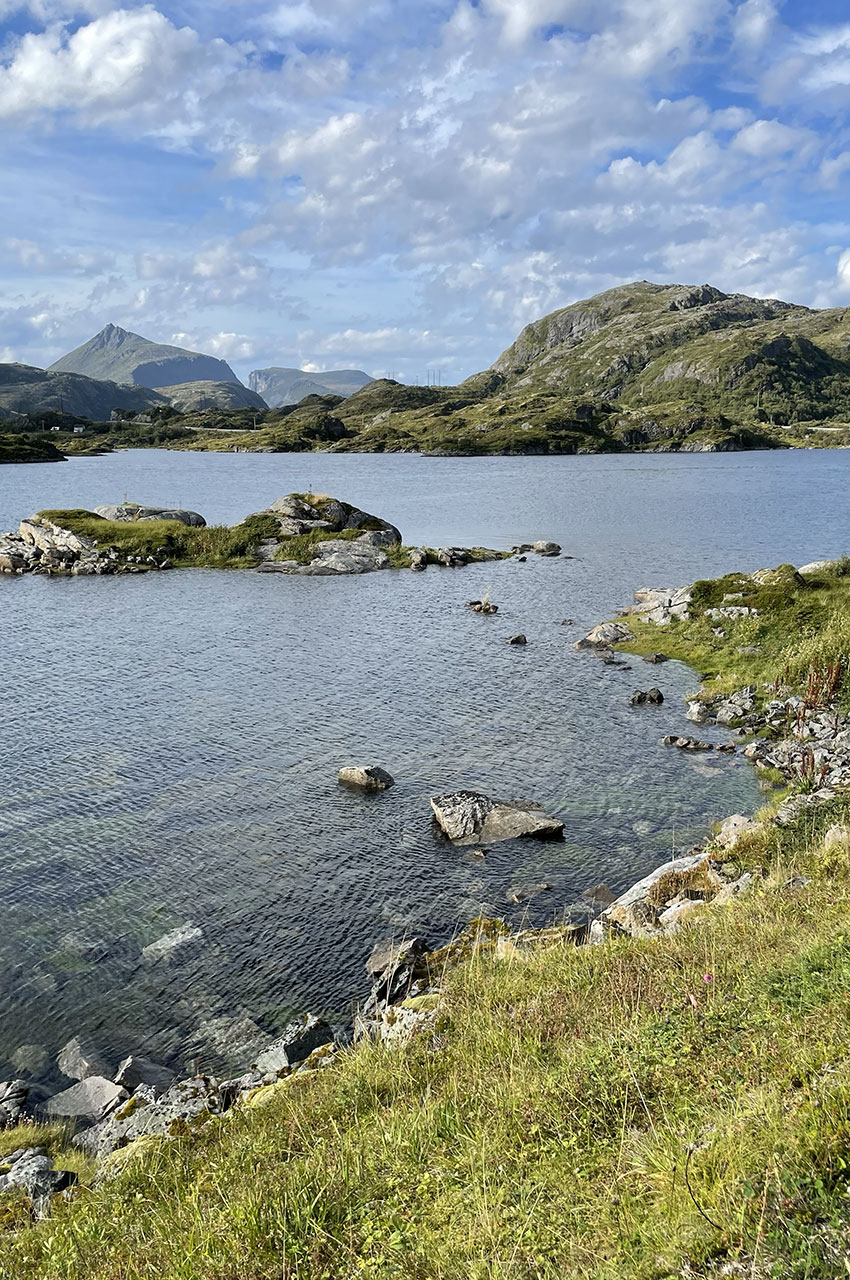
(121, 1113)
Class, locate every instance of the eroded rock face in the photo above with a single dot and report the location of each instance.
(468, 817)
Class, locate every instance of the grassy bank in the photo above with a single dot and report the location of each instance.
(645, 1109)
(213, 546)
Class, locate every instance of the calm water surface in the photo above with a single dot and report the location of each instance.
(170, 742)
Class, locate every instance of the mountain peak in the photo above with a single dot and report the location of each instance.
(117, 355)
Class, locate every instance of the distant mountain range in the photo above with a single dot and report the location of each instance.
(117, 369)
(116, 355)
(280, 387)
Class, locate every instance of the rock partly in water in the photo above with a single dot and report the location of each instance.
(655, 658)
(296, 1043)
(77, 1059)
(518, 639)
(525, 892)
(544, 548)
(606, 634)
(643, 697)
(366, 777)
(468, 817)
(90, 1099)
(135, 1070)
(640, 910)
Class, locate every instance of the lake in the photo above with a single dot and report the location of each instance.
(170, 742)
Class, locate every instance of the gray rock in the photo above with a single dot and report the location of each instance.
(598, 896)
(655, 658)
(546, 548)
(77, 1059)
(91, 1099)
(13, 1097)
(129, 512)
(640, 909)
(175, 945)
(32, 1172)
(297, 1042)
(607, 633)
(468, 817)
(732, 829)
(367, 777)
(185, 1102)
(518, 639)
(136, 1070)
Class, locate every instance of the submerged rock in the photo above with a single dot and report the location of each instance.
(525, 892)
(468, 817)
(174, 945)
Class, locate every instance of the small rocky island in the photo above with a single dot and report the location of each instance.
(298, 534)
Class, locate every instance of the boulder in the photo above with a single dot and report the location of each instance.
(518, 639)
(468, 817)
(732, 829)
(175, 945)
(31, 1058)
(784, 576)
(367, 777)
(653, 697)
(546, 548)
(640, 909)
(32, 1172)
(607, 633)
(135, 1070)
(78, 1059)
(90, 1099)
(655, 658)
(13, 1097)
(818, 566)
(297, 1042)
(186, 1102)
(129, 512)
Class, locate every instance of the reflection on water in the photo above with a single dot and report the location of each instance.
(170, 742)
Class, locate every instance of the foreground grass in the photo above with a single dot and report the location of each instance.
(641, 1109)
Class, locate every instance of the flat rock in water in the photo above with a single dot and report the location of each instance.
(468, 817)
(367, 778)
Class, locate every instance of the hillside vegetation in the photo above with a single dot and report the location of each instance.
(640, 367)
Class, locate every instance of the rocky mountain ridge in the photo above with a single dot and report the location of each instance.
(280, 386)
(117, 355)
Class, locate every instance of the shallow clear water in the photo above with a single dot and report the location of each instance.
(170, 742)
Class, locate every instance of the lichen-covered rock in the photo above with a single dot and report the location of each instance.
(31, 1171)
(469, 817)
(89, 1099)
(732, 829)
(639, 911)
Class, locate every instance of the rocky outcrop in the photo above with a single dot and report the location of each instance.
(468, 817)
(298, 1041)
(30, 1170)
(669, 895)
(130, 512)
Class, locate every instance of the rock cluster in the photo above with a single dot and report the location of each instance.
(129, 513)
(39, 546)
(663, 900)
(646, 697)
(661, 604)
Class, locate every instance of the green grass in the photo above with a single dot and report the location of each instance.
(801, 631)
(25, 448)
(215, 546)
(587, 1112)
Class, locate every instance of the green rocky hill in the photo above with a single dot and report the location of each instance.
(640, 367)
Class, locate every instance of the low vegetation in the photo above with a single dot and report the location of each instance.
(673, 1109)
(215, 546)
(28, 448)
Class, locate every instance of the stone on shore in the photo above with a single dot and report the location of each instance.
(607, 633)
(32, 1172)
(366, 777)
(135, 1070)
(639, 911)
(732, 829)
(468, 817)
(296, 1043)
(13, 1097)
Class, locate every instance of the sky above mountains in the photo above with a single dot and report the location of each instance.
(399, 187)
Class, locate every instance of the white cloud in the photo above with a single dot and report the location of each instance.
(766, 138)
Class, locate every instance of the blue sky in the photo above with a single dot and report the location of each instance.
(401, 186)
